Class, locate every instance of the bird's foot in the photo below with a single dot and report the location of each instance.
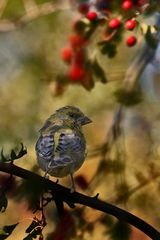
(72, 189)
(46, 175)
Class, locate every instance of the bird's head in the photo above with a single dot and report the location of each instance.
(73, 113)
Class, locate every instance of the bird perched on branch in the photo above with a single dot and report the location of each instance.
(61, 147)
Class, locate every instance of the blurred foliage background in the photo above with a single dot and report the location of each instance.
(29, 63)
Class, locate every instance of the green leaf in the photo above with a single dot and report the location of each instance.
(128, 98)
(120, 231)
(2, 232)
(90, 29)
(150, 39)
(98, 71)
(109, 49)
(3, 202)
(7, 230)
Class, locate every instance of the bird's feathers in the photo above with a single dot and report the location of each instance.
(61, 147)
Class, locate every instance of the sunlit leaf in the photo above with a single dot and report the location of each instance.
(13, 154)
(2, 232)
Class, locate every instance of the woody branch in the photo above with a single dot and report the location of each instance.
(65, 195)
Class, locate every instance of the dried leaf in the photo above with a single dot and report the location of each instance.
(98, 71)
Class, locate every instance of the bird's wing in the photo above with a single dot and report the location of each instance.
(69, 141)
(61, 148)
(67, 145)
(45, 146)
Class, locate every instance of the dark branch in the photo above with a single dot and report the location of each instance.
(93, 202)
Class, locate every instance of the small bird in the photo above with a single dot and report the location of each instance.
(61, 147)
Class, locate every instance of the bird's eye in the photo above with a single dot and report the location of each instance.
(71, 115)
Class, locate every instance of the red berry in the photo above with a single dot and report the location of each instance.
(76, 73)
(76, 40)
(66, 54)
(79, 56)
(141, 2)
(131, 41)
(127, 5)
(114, 23)
(130, 24)
(91, 16)
(83, 8)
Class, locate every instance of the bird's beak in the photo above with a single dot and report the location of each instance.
(84, 120)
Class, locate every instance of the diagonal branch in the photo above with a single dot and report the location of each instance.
(93, 202)
(32, 12)
(3, 4)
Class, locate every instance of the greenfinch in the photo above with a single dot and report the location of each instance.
(61, 146)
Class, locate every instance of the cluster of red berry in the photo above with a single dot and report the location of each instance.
(129, 24)
(94, 15)
(75, 55)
